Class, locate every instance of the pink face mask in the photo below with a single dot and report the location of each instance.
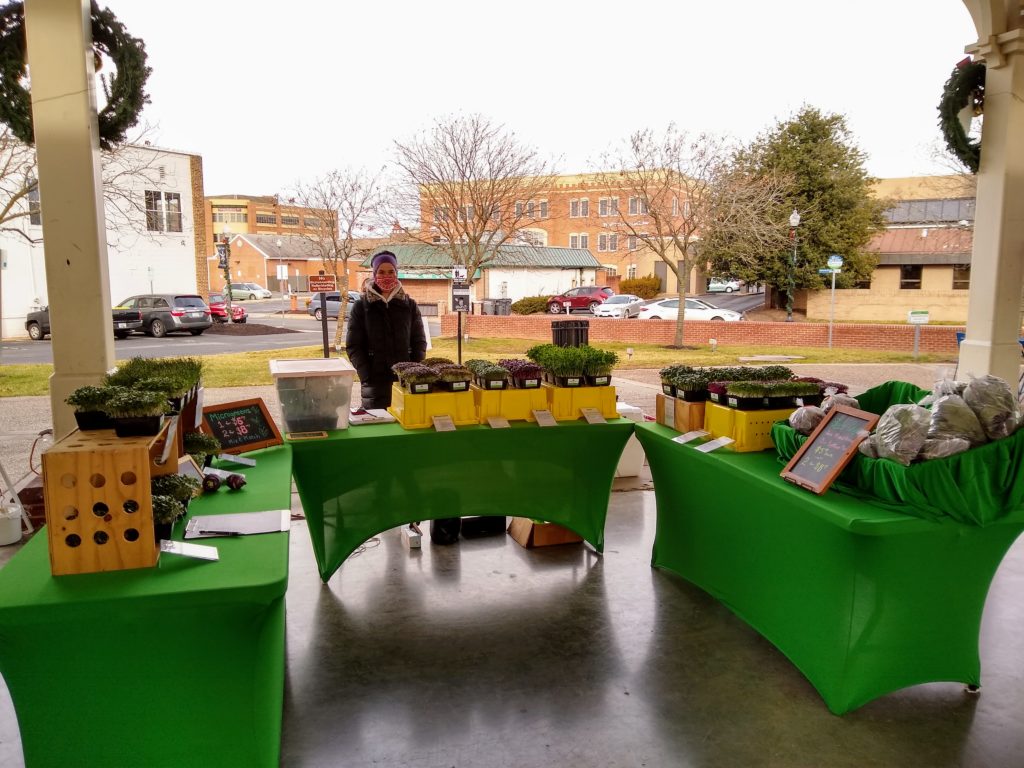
(386, 283)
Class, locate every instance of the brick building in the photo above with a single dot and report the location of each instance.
(258, 215)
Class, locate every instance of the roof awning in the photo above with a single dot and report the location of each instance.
(897, 259)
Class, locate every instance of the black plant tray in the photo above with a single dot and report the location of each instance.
(418, 389)
(451, 386)
(780, 402)
(569, 381)
(604, 380)
(530, 383)
(812, 399)
(668, 389)
(492, 385)
(138, 426)
(90, 420)
(717, 397)
(745, 403)
(695, 396)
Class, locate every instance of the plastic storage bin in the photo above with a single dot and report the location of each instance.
(632, 460)
(314, 394)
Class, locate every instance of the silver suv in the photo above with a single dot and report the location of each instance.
(164, 313)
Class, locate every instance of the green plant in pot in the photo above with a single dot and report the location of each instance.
(88, 402)
(669, 373)
(598, 365)
(746, 395)
(201, 447)
(434, 362)
(692, 387)
(454, 377)
(166, 510)
(566, 365)
(418, 379)
(181, 487)
(136, 412)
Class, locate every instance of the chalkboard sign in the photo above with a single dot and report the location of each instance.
(243, 425)
(829, 448)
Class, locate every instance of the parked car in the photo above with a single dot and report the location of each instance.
(721, 285)
(333, 304)
(586, 297)
(164, 313)
(668, 309)
(623, 305)
(37, 323)
(253, 291)
(219, 310)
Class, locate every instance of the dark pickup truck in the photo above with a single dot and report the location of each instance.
(125, 321)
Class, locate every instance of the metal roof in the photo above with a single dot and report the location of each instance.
(419, 255)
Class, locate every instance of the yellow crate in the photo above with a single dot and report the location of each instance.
(750, 429)
(99, 509)
(513, 404)
(565, 403)
(418, 411)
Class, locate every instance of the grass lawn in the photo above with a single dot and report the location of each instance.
(250, 368)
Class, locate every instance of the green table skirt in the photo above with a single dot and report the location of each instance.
(863, 600)
(178, 665)
(367, 479)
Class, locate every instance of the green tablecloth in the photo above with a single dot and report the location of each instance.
(177, 665)
(367, 479)
(863, 600)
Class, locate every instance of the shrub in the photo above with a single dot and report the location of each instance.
(530, 305)
(645, 287)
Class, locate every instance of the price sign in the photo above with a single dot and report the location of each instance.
(545, 418)
(443, 424)
(593, 416)
(242, 425)
(829, 448)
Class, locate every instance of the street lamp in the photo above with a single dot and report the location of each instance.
(794, 222)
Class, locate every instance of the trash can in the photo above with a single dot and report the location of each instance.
(487, 307)
(503, 306)
(570, 333)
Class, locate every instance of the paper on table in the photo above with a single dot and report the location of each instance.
(370, 416)
(240, 523)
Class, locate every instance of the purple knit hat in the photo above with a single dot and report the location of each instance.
(384, 256)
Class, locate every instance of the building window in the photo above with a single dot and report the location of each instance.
(466, 212)
(961, 277)
(584, 240)
(266, 218)
(637, 206)
(519, 210)
(543, 209)
(910, 276)
(223, 215)
(675, 206)
(584, 208)
(530, 210)
(440, 214)
(610, 269)
(574, 209)
(290, 221)
(608, 206)
(631, 272)
(495, 212)
(311, 223)
(607, 242)
(35, 215)
(536, 237)
(163, 211)
(631, 242)
(574, 241)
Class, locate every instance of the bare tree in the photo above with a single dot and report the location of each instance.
(468, 187)
(681, 189)
(345, 205)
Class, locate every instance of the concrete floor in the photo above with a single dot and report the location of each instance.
(484, 654)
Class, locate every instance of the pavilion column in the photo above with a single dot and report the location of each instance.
(60, 55)
(997, 262)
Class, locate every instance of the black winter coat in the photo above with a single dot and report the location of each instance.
(380, 334)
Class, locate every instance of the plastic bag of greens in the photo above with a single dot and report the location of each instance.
(942, 388)
(940, 449)
(806, 418)
(833, 398)
(869, 447)
(901, 432)
(952, 418)
(995, 405)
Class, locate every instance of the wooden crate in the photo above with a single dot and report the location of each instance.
(99, 513)
(678, 414)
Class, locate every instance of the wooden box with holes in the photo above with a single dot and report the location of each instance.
(99, 513)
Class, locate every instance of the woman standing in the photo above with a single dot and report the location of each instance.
(384, 328)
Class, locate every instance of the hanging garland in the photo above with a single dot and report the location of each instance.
(965, 88)
(125, 92)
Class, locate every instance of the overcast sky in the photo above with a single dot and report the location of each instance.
(273, 93)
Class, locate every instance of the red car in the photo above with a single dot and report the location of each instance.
(219, 310)
(588, 297)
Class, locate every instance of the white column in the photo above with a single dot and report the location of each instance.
(59, 37)
(997, 262)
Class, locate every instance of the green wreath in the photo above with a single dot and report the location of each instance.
(125, 92)
(965, 87)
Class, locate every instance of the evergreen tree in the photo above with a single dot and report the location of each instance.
(828, 187)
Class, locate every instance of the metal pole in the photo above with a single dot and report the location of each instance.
(917, 339)
(792, 280)
(459, 334)
(323, 322)
(832, 310)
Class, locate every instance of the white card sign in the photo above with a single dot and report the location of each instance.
(443, 424)
(713, 445)
(545, 419)
(689, 436)
(198, 551)
(498, 422)
(593, 416)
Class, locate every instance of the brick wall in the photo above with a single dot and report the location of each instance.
(937, 339)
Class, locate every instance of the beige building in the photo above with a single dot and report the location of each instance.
(924, 256)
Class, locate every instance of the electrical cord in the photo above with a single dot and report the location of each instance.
(32, 452)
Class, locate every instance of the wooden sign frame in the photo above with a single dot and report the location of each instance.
(840, 463)
(257, 401)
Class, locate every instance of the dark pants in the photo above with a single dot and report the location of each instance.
(375, 394)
